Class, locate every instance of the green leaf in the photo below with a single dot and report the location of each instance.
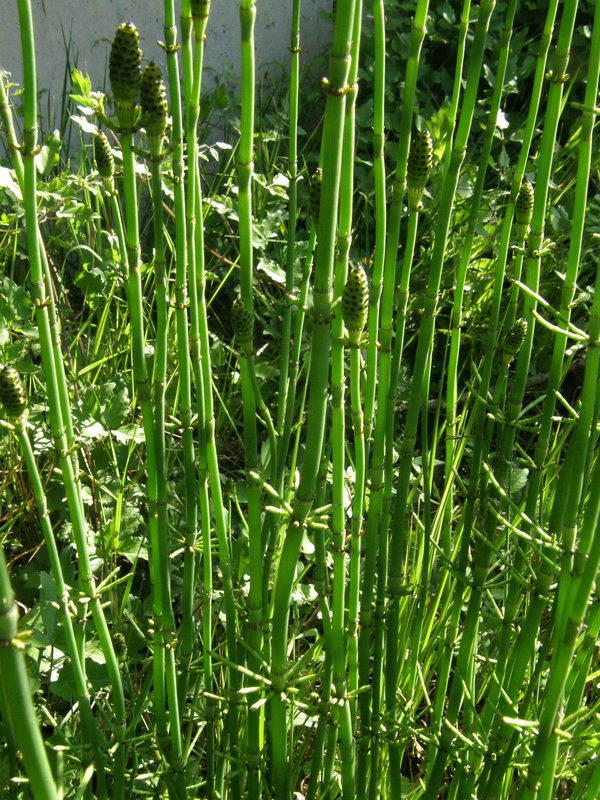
(272, 269)
(8, 182)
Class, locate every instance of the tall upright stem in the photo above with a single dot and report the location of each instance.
(337, 89)
(54, 378)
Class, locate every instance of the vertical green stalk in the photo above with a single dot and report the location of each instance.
(360, 642)
(125, 77)
(158, 543)
(376, 539)
(17, 161)
(17, 694)
(352, 313)
(419, 166)
(186, 297)
(577, 586)
(525, 642)
(489, 360)
(245, 172)
(575, 245)
(10, 381)
(456, 324)
(207, 452)
(55, 377)
(284, 360)
(194, 18)
(337, 90)
(284, 439)
(379, 178)
(482, 555)
(78, 665)
(576, 579)
(423, 366)
(286, 433)
(536, 234)
(154, 118)
(523, 647)
(463, 29)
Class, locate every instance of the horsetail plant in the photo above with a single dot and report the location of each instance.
(295, 50)
(14, 401)
(190, 247)
(17, 693)
(419, 165)
(56, 396)
(379, 377)
(318, 380)
(125, 72)
(353, 312)
(524, 207)
(125, 76)
(452, 422)
(355, 302)
(484, 383)
(105, 162)
(332, 611)
(513, 341)
(544, 162)
(422, 365)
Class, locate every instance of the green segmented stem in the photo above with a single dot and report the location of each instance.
(394, 371)
(291, 260)
(153, 100)
(481, 557)
(163, 655)
(452, 421)
(450, 126)
(17, 695)
(379, 178)
(490, 345)
(193, 20)
(13, 397)
(154, 109)
(579, 562)
(192, 258)
(422, 368)
(57, 355)
(354, 292)
(158, 544)
(318, 381)
(360, 642)
(578, 573)
(245, 170)
(384, 269)
(520, 653)
(196, 17)
(89, 724)
(56, 384)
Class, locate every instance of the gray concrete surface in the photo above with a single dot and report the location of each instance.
(87, 27)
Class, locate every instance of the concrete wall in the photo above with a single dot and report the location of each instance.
(90, 24)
